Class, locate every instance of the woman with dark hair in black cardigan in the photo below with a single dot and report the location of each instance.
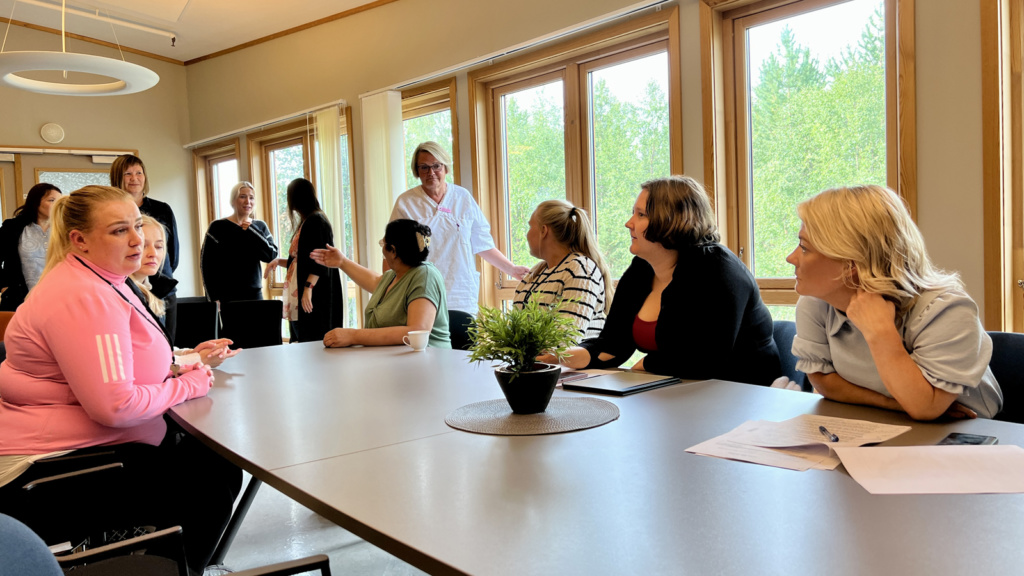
(313, 301)
(23, 241)
(685, 301)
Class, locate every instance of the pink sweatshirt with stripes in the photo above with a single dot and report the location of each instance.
(85, 368)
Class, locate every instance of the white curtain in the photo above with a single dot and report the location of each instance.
(328, 175)
(383, 165)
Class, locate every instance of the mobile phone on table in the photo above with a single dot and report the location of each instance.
(959, 438)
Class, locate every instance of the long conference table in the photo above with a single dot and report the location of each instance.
(358, 436)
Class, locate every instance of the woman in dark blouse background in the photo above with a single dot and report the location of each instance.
(685, 301)
(233, 249)
(313, 303)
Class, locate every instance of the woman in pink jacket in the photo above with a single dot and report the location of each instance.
(87, 366)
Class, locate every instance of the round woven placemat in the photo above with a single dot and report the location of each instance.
(563, 415)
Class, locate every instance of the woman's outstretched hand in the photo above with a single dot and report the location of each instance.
(329, 256)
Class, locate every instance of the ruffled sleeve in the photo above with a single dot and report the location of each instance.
(945, 338)
(810, 345)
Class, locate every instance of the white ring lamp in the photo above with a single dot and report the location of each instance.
(131, 78)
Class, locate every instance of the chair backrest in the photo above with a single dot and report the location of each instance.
(458, 325)
(783, 332)
(252, 323)
(197, 321)
(5, 319)
(1007, 366)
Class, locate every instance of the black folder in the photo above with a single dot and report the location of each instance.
(621, 383)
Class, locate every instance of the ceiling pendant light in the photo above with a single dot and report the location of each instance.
(128, 78)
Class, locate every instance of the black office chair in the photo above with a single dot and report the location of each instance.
(197, 321)
(1007, 365)
(783, 332)
(458, 326)
(252, 323)
(125, 558)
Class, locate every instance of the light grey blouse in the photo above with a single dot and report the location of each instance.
(32, 250)
(942, 333)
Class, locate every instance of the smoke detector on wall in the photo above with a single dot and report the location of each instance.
(52, 133)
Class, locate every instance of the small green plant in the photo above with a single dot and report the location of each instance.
(518, 336)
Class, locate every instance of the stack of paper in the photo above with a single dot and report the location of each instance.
(797, 443)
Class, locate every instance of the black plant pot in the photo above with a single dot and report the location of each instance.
(531, 391)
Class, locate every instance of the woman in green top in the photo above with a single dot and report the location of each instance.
(410, 296)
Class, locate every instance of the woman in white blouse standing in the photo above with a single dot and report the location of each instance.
(571, 271)
(459, 228)
(877, 323)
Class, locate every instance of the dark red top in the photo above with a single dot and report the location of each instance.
(643, 334)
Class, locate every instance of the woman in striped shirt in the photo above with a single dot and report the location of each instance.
(571, 272)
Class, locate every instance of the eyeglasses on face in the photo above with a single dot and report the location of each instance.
(382, 243)
(427, 168)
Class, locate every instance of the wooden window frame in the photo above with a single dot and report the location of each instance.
(724, 117)
(432, 98)
(570, 60)
(202, 162)
(1002, 54)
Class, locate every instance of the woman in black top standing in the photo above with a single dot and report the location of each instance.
(23, 241)
(129, 174)
(233, 249)
(313, 301)
(685, 300)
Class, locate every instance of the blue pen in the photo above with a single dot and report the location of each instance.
(824, 432)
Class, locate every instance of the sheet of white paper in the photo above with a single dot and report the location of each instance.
(796, 458)
(804, 430)
(936, 469)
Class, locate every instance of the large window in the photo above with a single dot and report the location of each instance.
(812, 105)
(587, 123)
(427, 116)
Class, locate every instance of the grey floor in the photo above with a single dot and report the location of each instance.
(277, 529)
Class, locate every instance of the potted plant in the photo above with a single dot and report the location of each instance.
(515, 338)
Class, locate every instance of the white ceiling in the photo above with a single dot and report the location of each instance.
(202, 27)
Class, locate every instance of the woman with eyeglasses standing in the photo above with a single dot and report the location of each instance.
(459, 228)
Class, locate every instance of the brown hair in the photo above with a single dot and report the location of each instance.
(122, 163)
(679, 213)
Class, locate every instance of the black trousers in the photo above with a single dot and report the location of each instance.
(180, 482)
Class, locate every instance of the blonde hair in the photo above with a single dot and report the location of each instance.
(155, 303)
(679, 213)
(237, 189)
(570, 227)
(435, 150)
(75, 212)
(870, 230)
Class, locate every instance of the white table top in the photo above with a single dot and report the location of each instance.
(360, 438)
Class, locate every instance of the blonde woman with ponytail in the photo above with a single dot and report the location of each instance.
(571, 269)
(877, 323)
(88, 366)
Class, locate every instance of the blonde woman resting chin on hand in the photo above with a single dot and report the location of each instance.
(876, 322)
(211, 352)
(410, 296)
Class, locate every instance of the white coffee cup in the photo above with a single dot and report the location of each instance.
(417, 339)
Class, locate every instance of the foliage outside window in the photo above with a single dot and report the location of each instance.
(427, 116)
(587, 122)
(811, 103)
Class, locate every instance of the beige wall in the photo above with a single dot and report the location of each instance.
(949, 137)
(154, 122)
